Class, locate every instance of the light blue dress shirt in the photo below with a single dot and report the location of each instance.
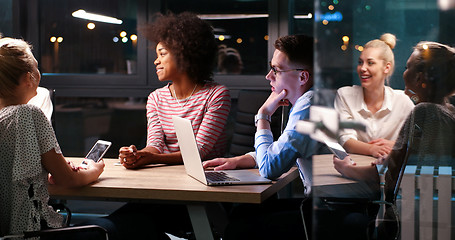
(275, 158)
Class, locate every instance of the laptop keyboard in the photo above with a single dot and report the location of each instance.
(217, 176)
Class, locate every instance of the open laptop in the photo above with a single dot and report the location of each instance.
(193, 163)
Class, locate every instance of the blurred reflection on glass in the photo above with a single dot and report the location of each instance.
(342, 206)
(242, 25)
(229, 60)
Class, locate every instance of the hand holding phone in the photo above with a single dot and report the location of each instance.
(338, 150)
(97, 152)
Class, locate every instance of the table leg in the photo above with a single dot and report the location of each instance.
(200, 221)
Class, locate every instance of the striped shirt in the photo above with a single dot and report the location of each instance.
(207, 109)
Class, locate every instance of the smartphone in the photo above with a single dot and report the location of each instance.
(98, 150)
(336, 149)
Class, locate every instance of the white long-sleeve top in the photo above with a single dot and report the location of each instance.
(385, 123)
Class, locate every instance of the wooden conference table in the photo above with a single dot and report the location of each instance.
(328, 182)
(169, 184)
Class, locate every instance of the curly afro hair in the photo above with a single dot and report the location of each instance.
(190, 39)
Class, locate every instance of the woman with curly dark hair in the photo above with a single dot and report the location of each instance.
(186, 51)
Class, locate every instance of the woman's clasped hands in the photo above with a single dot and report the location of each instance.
(128, 156)
(380, 148)
(132, 158)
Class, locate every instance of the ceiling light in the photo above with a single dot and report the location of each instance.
(303, 16)
(96, 17)
(231, 16)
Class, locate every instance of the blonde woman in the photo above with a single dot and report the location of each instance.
(381, 108)
(426, 138)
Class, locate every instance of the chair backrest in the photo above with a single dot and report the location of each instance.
(419, 188)
(131, 120)
(248, 104)
(52, 96)
(429, 158)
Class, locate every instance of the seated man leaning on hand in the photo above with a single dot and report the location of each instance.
(291, 80)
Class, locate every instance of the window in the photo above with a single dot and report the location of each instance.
(301, 20)
(361, 21)
(83, 36)
(84, 46)
(240, 29)
(6, 26)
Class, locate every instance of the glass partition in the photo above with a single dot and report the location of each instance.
(344, 206)
(301, 21)
(6, 24)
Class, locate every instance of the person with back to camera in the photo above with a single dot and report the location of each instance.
(430, 127)
(291, 80)
(186, 51)
(42, 99)
(229, 60)
(29, 149)
(381, 108)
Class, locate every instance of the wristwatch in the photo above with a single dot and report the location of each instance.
(257, 117)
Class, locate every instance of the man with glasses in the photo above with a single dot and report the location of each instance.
(291, 81)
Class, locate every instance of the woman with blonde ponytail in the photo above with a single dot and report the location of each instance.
(381, 108)
(426, 138)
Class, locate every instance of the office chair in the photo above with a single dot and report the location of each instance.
(133, 121)
(248, 104)
(377, 229)
(430, 132)
(52, 96)
(64, 232)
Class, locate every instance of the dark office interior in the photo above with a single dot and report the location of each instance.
(101, 74)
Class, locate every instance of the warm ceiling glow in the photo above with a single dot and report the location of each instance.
(53, 39)
(239, 40)
(345, 39)
(133, 37)
(122, 34)
(91, 26)
(60, 39)
(446, 4)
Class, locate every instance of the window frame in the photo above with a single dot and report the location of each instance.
(141, 84)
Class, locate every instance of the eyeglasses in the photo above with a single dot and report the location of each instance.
(275, 71)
